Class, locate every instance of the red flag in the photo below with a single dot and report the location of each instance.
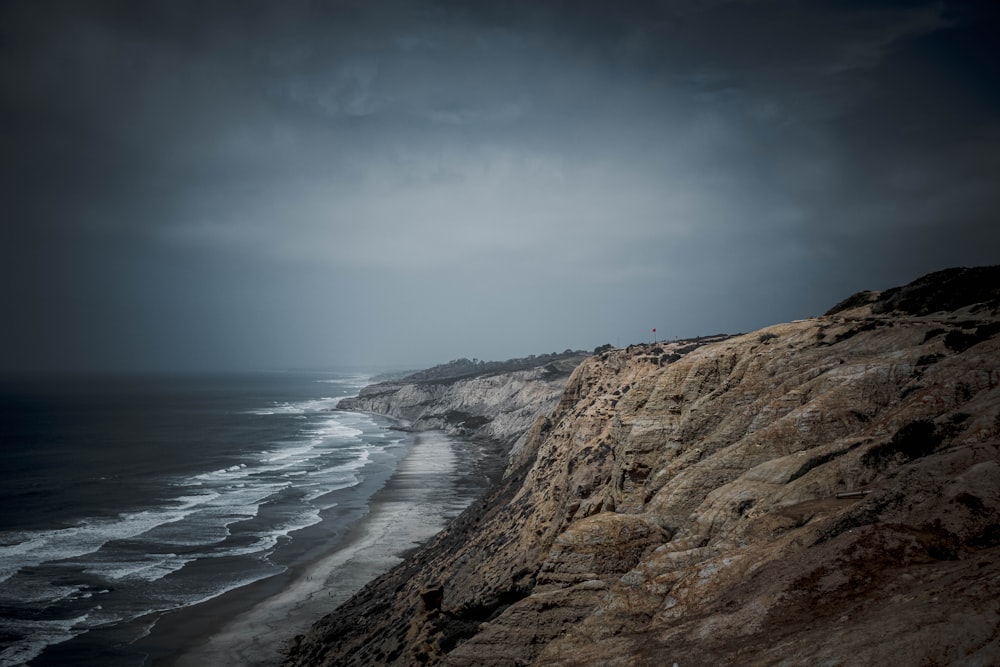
(654, 330)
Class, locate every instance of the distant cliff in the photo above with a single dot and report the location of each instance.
(825, 491)
(495, 400)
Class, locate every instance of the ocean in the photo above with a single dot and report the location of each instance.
(125, 497)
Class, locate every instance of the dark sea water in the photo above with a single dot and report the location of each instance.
(123, 497)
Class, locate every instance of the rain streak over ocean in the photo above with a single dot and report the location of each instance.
(121, 497)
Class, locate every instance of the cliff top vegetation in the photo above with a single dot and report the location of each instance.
(560, 362)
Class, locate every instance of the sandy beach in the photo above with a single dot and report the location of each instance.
(433, 482)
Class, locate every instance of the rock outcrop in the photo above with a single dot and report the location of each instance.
(825, 491)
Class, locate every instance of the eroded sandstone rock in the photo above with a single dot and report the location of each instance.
(501, 406)
(819, 492)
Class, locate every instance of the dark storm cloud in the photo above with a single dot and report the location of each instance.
(196, 185)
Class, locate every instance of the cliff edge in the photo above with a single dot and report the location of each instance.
(825, 491)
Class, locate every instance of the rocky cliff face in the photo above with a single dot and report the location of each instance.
(500, 405)
(820, 492)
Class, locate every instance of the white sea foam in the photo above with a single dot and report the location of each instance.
(232, 472)
(32, 548)
(360, 461)
(85, 594)
(210, 524)
(199, 518)
(296, 453)
(303, 520)
(334, 428)
(38, 635)
(156, 558)
(34, 591)
(146, 569)
(261, 547)
(298, 407)
(324, 488)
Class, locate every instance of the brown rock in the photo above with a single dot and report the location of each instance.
(820, 492)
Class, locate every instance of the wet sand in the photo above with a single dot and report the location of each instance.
(434, 481)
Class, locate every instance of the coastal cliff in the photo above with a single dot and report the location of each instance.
(496, 401)
(825, 491)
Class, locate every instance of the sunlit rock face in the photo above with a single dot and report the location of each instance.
(825, 491)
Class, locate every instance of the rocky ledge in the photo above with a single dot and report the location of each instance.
(825, 491)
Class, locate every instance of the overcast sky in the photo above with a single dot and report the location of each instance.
(246, 185)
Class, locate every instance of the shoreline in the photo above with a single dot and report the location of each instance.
(430, 484)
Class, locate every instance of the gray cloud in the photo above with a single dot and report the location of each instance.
(201, 185)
